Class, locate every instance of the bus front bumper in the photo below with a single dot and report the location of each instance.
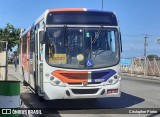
(57, 92)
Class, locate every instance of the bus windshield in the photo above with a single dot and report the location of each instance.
(82, 48)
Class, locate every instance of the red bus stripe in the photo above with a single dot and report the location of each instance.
(66, 9)
(71, 77)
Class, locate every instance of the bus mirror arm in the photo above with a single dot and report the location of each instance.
(121, 42)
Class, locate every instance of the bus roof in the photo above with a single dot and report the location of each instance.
(75, 9)
(63, 10)
(83, 16)
(67, 9)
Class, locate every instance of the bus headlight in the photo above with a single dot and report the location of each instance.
(113, 80)
(56, 82)
(51, 78)
(110, 81)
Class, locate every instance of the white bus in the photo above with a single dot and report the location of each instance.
(72, 53)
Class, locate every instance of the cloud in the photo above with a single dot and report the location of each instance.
(137, 49)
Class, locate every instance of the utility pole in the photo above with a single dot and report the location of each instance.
(102, 4)
(145, 44)
(145, 58)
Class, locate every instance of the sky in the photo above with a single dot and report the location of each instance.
(136, 18)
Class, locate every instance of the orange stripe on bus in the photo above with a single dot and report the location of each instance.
(71, 77)
(66, 9)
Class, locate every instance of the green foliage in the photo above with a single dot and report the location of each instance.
(10, 34)
(152, 56)
(16, 52)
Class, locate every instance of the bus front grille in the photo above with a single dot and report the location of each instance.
(78, 76)
(89, 83)
(85, 91)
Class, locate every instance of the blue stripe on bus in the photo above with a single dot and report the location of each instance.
(102, 76)
(97, 10)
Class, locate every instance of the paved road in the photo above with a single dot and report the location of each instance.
(136, 93)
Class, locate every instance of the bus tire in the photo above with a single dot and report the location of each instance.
(41, 99)
(35, 84)
(25, 83)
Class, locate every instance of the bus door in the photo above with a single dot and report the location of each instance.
(32, 61)
(39, 61)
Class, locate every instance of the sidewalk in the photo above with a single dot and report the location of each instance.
(15, 75)
(12, 74)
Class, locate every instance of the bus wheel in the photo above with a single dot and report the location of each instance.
(35, 84)
(25, 83)
(41, 99)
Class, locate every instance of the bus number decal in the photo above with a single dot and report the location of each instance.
(99, 80)
(58, 59)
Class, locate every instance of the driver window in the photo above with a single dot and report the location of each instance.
(55, 46)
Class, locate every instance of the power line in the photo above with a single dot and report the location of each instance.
(132, 35)
(129, 35)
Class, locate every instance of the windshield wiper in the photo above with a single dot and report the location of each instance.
(97, 35)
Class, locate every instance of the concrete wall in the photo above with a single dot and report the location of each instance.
(2, 65)
(147, 67)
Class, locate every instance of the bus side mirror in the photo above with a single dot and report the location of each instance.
(41, 36)
(121, 42)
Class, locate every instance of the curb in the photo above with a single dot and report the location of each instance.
(142, 76)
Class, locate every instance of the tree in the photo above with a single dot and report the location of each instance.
(10, 34)
(152, 56)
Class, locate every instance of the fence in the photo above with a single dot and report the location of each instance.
(142, 66)
(3, 60)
